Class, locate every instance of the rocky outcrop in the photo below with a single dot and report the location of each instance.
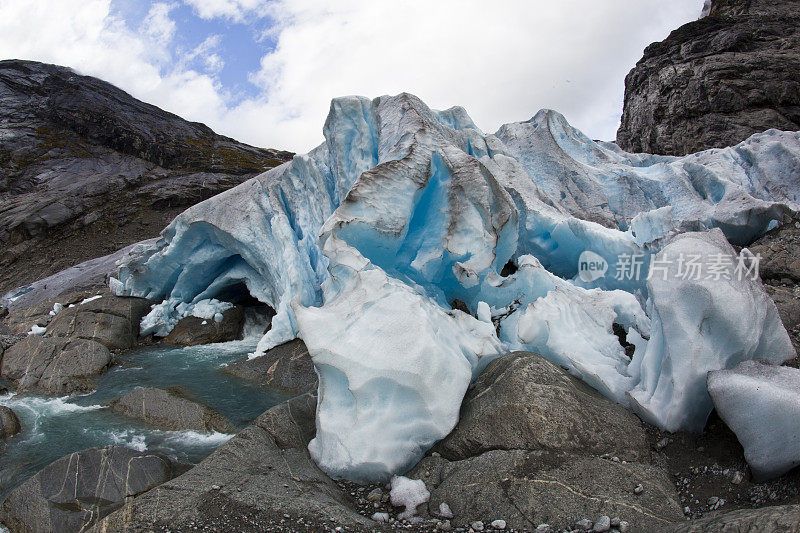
(169, 410)
(109, 320)
(191, 331)
(779, 519)
(87, 169)
(9, 423)
(535, 445)
(261, 480)
(287, 367)
(75, 333)
(70, 494)
(714, 82)
(55, 365)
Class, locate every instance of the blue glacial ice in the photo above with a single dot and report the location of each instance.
(362, 245)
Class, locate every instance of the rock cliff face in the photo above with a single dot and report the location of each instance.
(714, 82)
(86, 168)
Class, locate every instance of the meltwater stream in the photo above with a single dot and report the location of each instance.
(53, 427)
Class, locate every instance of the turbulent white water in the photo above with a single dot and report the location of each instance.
(53, 427)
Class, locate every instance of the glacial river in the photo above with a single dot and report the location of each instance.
(53, 427)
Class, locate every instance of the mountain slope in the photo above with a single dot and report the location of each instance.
(86, 169)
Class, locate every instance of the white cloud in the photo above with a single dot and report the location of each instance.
(206, 52)
(502, 62)
(236, 10)
(158, 25)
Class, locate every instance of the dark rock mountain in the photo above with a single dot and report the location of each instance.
(716, 81)
(86, 169)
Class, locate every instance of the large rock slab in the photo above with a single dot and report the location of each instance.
(714, 82)
(779, 519)
(530, 488)
(522, 401)
(761, 405)
(167, 409)
(71, 493)
(110, 320)
(55, 365)
(251, 483)
(287, 367)
(192, 330)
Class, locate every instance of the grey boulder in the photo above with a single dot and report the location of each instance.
(287, 367)
(522, 401)
(192, 331)
(9, 423)
(169, 410)
(71, 493)
(55, 365)
(112, 321)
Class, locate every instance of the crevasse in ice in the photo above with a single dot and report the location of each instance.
(362, 245)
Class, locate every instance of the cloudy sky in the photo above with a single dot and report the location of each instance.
(264, 71)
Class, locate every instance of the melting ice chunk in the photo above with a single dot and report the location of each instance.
(761, 404)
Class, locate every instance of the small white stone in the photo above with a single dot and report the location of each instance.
(638, 489)
(477, 526)
(602, 525)
(380, 517)
(445, 511)
(499, 524)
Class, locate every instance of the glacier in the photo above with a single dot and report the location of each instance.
(364, 245)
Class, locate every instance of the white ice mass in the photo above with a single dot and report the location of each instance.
(761, 404)
(362, 245)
